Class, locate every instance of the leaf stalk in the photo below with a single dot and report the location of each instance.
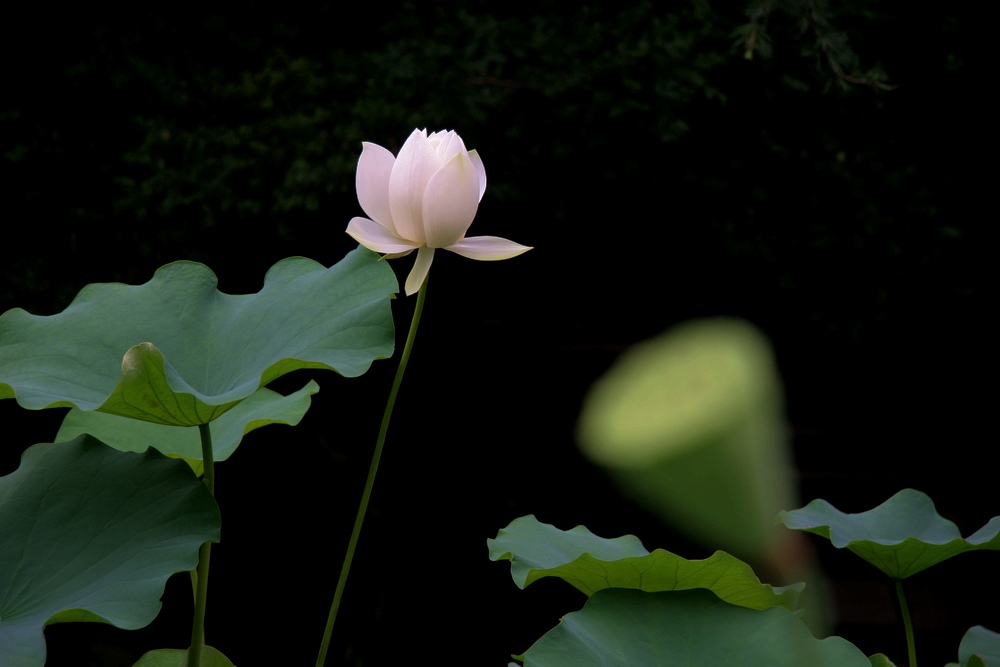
(204, 555)
(904, 610)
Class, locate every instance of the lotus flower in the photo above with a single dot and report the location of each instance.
(422, 200)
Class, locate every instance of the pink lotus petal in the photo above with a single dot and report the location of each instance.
(447, 144)
(416, 163)
(418, 274)
(487, 248)
(372, 181)
(450, 202)
(375, 237)
(477, 162)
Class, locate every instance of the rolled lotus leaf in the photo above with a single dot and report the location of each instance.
(691, 423)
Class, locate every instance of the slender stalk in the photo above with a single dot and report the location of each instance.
(911, 646)
(204, 554)
(370, 482)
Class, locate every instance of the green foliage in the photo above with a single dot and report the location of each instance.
(126, 144)
(691, 423)
(262, 408)
(591, 563)
(170, 657)
(618, 628)
(92, 534)
(819, 39)
(278, 136)
(252, 130)
(979, 647)
(901, 537)
(628, 618)
(221, 348)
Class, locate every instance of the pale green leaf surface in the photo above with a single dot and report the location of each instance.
(881, 660)
(979, 646)
(262, 408)
(92, 534)
(902, 536)
(175, 657)
(624, 628)
(591, 563)
(177, 351)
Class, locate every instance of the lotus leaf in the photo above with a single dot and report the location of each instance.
(93, 534)
(177, 351)
(979, 646)
(263, 407)
(173, 657)
(901, 537)
(591, 563)
(621, 628)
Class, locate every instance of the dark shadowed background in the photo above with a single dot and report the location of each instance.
(829, 189)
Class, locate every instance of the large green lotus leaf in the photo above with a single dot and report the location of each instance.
(901, 537)
(92, 534)
(623, 628)
(178, 351)
(979, 646)
(591, 563)
(173, 657)
(131, 435)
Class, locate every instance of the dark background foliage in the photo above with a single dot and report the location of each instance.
(828, 188)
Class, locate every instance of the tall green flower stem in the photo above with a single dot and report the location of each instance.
(204, 554)
(904, 610)
(372, 470)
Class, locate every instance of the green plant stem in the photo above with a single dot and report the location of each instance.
(204, 555)
(370, 482)
(911, 646)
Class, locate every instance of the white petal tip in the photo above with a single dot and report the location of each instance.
(488, 248)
